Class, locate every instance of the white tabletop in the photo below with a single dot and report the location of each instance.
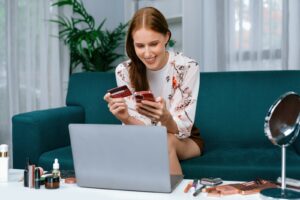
(14, 190)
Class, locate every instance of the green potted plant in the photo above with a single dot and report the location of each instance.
(90, 46)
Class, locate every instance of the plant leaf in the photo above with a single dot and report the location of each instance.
(93, 49)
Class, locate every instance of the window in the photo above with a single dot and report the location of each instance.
(2, 43)
(258, 29)
(3, 73)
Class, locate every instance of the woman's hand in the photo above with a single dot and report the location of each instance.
(118, 107)
(156, 111)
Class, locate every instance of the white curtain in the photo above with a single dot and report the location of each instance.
(30, 71)
(293, 58)
(234, 35)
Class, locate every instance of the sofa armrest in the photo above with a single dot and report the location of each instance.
(39, 131)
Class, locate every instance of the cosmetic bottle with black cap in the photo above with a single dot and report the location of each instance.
(37, 177)
(26, 183)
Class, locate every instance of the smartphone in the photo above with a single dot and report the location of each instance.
(211, 181)
(120, 92)
(143, 95)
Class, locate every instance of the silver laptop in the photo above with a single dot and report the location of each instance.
(122, 157)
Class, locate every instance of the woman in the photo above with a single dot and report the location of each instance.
(172, 78)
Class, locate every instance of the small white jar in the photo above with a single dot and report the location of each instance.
(4, 161)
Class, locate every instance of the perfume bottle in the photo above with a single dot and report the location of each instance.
(4, 163)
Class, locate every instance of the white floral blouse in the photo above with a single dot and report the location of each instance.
(179, 89)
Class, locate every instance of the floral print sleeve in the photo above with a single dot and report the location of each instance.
(184, 93)
(179, 87)
(122, 78)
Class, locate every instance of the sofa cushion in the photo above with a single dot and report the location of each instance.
(232, 163)
(64, 156)
(232, 105)
(87, 90)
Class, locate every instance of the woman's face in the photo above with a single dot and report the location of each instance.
(150, 48)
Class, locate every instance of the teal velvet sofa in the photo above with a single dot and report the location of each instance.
(230, 115)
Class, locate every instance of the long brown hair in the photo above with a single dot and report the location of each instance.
(152, 19)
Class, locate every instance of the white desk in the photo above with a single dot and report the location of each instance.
(14, 190)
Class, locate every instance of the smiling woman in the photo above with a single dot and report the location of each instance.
(173, 79)
(150, 48)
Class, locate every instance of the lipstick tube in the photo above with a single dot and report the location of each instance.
(37, 177)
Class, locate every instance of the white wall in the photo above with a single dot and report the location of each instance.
(117, 11)
(112, 10)
(191, 30)
(171, 9)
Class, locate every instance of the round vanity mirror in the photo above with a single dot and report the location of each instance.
(282, 125)
(282, 121)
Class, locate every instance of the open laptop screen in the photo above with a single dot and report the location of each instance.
(126, 157)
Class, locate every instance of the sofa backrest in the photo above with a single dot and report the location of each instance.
(87, 90)
(232, 105)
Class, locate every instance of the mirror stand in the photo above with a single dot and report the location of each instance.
(280, 193)
(282, 126)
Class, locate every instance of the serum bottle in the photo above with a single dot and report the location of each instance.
(52, 182)
(55, 171)
(4, 163)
